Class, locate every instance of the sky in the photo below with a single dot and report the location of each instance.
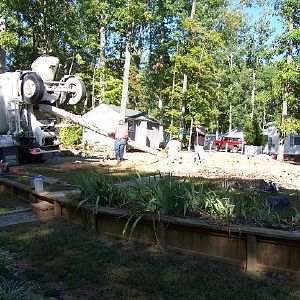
(257, 12)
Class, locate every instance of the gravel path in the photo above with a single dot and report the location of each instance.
(17, 217)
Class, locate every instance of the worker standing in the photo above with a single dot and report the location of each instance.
(199, 136)
(172, 149)
(121, 136)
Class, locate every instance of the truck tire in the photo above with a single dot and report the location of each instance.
(78, 90)
(235, 149)
(32, 88)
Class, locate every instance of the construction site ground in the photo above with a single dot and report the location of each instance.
(247, 171)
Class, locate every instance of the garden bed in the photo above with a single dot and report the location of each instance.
(248, 247)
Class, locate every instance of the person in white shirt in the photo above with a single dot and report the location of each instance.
(172, 149)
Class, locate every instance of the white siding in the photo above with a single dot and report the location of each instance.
(292, 144)
(142, 132)
(103, 118)
(152, 135)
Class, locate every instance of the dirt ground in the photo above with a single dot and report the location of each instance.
(253, 171)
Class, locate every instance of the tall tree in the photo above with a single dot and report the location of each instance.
(289, 11)
(2, 48)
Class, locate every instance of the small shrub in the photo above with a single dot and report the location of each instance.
(254, 133)
(70, 135)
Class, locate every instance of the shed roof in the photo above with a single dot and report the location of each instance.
(130, 113)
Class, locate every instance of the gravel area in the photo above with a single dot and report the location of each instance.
(17, 217)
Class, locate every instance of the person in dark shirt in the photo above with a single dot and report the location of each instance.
(199, 136)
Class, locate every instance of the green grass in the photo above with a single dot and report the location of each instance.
(74, 175)
(8, 203)
(65, 260)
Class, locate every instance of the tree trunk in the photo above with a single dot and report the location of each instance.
(125, 86)
(183, 104)
(230, 118)
(185, 82)
(2, 49)
(93, 87)
(160, 108)
(102, 63)
(253, 92)
(284, 114)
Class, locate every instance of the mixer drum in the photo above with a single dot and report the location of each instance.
(8, 92)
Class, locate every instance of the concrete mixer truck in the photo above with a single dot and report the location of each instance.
(26, 132)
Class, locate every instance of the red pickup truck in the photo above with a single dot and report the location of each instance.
(234, 144)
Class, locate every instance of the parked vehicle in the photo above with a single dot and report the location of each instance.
(209, 139)
(26, 132)
(234, 144)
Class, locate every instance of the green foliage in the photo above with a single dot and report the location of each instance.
(13, 290)
(254, 134)
(99, 188)
(291, 125)
(169, 195)
(296, 217)
(70, 135)
(218, 49)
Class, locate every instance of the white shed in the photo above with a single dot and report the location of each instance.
(291, 143)
(141, 128)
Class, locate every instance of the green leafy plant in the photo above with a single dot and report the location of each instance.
(169, 195)
(296, 217)
(13, 290)
(218, 205)
(99, 188)
(70, 135)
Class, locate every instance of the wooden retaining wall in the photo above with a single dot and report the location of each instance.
(247, 247)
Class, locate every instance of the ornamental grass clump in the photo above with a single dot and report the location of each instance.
(170, 195)
(99, 188)
(173, 196)
(13, 290)
(219, 204)
(250, 208)
(162, 194)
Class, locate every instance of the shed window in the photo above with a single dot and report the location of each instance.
(130, 125)
(297, 140)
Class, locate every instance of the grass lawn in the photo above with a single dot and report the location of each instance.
(59, 259)
(8, 203)
(74, 175)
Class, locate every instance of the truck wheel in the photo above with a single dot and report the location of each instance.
(234, 149)
(77, 90)
(32, 88)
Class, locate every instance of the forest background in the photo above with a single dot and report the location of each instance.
(178, 60)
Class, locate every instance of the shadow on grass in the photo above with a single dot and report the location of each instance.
(67, 260)
(9, 203)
